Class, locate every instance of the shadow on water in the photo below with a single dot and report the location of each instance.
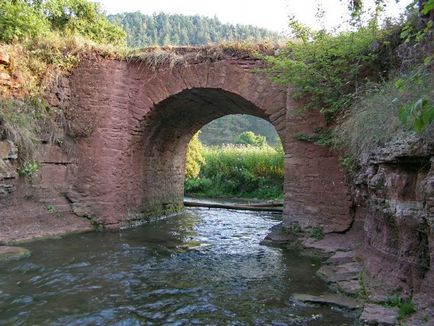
(203, 267)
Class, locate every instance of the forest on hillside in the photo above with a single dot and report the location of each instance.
(164, 29)
(226, 130)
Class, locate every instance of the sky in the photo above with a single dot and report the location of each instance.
(270, 14)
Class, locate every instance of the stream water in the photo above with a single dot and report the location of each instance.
(204, 267)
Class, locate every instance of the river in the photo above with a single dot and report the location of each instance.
(203, 267)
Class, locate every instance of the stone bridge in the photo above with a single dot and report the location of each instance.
(129, 124)
(132, 124)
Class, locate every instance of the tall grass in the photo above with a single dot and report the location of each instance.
(239, 171)
(374, 118)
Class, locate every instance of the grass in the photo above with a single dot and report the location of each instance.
(317, 233)
(374, 118)
(239, 171)
(406, 308)
(167, 56)
(19, 123)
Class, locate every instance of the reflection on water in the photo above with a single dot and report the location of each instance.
(204, 267)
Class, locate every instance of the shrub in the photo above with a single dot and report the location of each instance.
(20, 20)
(250, 138)
(320, 137)
(326, 70)
(406, 308)
(28, 169)
(317, 233)
(375, 118)
(85, 18)
(194, 158)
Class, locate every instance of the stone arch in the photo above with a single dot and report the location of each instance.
(170, 127)
(131, 124)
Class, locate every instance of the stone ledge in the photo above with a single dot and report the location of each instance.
(13, 253)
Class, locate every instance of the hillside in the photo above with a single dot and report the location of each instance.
(163, 29)
(227, 129)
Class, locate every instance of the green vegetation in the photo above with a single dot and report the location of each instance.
(18, 123)
(227, 129)
(320, 137)
(163, 29)
(194, 158)
(250, 138)
(372, 83)
(377, 117)
(45, 39)
(28, 169)
(317, 233)
(238, 171)
(25, 19)
(294, 229)
(406, 308)
(362, 293)
(327, 70)
(51, 209)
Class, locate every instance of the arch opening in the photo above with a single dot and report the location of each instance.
(170, 127)
(237, 156)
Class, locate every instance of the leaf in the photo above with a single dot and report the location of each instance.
(427, 7)
(404, 114)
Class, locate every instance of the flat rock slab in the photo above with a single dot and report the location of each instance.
(379, 316)
(342, 257)
(278, 236)
(329, 299)
(13, 253)
(350, 287)
(343, 272)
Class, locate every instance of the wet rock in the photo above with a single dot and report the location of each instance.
(377, 315)
(329, 299)
(279, 235)
(13, 253)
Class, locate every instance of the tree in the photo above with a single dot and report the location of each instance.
(164, 29)
(19, 20)
(85, 18)
(194, 159)
(250, 138)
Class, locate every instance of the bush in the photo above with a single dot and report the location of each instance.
(28, 169)
(375, 118)
(85, 18)
(19, 20)
(326, 70)
(406, 308)
(250, 138)
(194, 158)
(198, 186)
(317, 233)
